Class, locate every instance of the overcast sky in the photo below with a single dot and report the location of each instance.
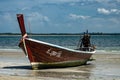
(61, 16)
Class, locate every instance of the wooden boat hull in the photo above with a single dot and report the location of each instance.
(46, 55)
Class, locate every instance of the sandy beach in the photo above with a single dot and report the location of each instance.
(14, 65)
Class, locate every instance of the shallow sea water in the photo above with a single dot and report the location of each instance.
(104, 43)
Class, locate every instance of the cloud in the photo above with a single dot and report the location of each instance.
(37, 16)
(107, 12)
(6, 17)
(56, 1)
(74, 16)
(115, 11)
(115, 20)
(103, 11)
(25, 8)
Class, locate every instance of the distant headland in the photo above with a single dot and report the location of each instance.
(93, 33)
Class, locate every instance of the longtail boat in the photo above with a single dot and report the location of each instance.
(46, 55)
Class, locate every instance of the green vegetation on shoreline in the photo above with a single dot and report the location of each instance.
(61, 33)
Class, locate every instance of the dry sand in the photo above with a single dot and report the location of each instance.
(15, 66)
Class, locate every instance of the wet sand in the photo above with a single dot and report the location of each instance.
(15, 66)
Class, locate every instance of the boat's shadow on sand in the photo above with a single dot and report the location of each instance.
(18, 67)
(29, 67)
(26, 70)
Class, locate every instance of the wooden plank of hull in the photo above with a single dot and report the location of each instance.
(45, 55)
